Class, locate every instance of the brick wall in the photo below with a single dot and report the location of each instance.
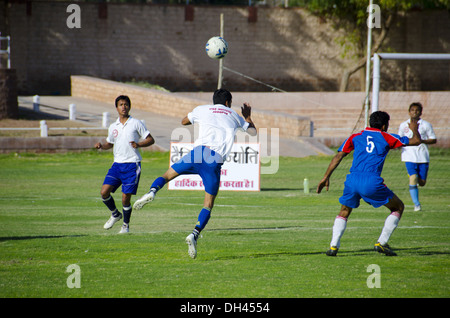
(142, 98)
(287, 48)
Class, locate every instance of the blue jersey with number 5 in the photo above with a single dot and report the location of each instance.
(371, 147)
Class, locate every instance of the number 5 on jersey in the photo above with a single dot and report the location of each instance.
(370, 145)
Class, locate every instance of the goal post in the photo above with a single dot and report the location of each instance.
(377, 57)
(395, 98)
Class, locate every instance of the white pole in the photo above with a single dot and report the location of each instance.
(219, 83)
(305, 185)
(105, 120)
(9, 52)
(36, 102)
(376, 82)
(369, 52)
(72, 112)
(44, 128)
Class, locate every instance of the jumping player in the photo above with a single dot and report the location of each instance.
(364, 181)
(417, 158)
(218, 124)
(125, 136)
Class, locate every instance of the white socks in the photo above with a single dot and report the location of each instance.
(340, 224)
(389, 226)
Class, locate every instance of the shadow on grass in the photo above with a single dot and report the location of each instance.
(264, 255)
(421, 251)
(256, 228)
(281, 189)
(354, 253)
(20, 238)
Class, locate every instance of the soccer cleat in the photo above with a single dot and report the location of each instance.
(417, 208)
(146, 198)
(112, 220)
(192, 245)
(332, 251)
(124, 229)
(385, 249)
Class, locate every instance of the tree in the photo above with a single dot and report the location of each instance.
(351, 16)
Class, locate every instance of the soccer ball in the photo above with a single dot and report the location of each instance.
(216, 47)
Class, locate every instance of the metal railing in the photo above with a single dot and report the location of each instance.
(7, 51)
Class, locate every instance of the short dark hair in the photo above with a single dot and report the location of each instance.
(378, 119)
(125, 98)
(416, 104)
(221, 96)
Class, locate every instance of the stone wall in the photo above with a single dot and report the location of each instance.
(54, 144)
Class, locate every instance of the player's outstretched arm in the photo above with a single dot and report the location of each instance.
(246, 110)
(325, 182)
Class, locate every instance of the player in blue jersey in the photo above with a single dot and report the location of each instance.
(370, 147)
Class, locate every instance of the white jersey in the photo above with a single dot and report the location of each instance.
(122, 134)
(417, 154)
(217, 127)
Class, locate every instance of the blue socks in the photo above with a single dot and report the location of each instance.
(109, 202)
(203, 219)
(127, 214)
(414, 192)
(158, 183)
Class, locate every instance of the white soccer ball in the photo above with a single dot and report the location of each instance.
(216, 47)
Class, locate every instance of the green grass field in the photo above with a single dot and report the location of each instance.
(267, 244)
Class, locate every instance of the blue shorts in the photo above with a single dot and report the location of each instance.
(125, 174)
(206, 163)
(366, 186)
(421, 169)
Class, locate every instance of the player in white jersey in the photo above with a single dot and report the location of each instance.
(417, 158)
(126, 135)
(218, 124)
